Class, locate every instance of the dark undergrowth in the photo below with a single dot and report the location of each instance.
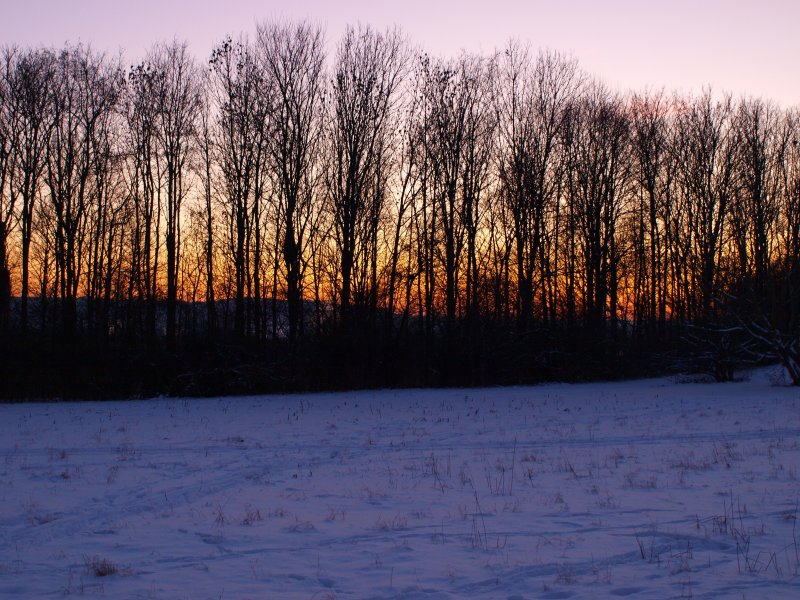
(37, 366)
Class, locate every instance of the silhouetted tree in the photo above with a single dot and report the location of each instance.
(31, 74)
(455, 104)
(653, 172)
(761, 144)
(402, 268)
(598, 177)
(367, 73)
(5, 282)
(788, 231)
(531, 106)
(242, 101)
(205, 168)
(178, 102)
(86, 90)
(706, 151)
(292, 59)
(145, 183)
(8, 149)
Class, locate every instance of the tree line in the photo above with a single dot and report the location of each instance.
(399, 217)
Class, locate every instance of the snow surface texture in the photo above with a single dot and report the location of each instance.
(646, 489)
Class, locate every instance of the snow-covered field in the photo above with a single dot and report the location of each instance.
(646, 489)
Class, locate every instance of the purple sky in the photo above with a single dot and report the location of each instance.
(743, 46)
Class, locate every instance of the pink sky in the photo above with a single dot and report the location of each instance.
(742, 46)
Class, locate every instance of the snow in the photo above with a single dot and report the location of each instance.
(645, 489)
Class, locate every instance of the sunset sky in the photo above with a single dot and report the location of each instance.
(742, 46)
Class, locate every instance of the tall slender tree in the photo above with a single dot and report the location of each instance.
(706, 151)
(651, 152)
(86, 90)
(531, 107)
(292, 58)
(30, 94)
(240, 100)
(178, 102)
(367, 74)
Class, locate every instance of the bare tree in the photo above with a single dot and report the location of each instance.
(7, 199)
(242, 104)
(788, 231)
(206, 168)
(86, 90)
(706, 152)
(653, 172)
(404, 192)
(31, 74)
(178, 103)
(456, 137)
(292, 58)
(531, 106)
(164, 101)
(368, 70)
(108, 212)
(7, 148)
(145, 184)
(761, 147)
(598, 179)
